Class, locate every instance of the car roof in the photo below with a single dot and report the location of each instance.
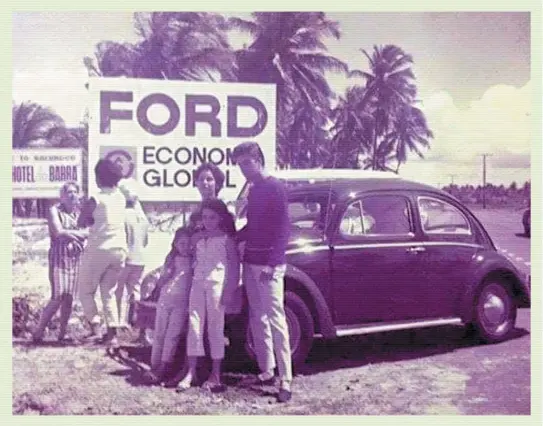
(345, 181)
(331, 174)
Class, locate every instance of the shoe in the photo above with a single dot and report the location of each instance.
(182, 387)
(95, 332)
(284, 395)
(266, 382)
(110, 338)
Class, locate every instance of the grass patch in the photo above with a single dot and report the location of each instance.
(73, 380)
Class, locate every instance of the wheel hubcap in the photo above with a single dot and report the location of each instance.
(494, 308)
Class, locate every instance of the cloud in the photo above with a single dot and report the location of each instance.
(61, 89)
(499, 123)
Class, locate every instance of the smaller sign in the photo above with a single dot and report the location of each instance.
(40, 173)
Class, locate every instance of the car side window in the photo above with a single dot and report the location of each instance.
(439, 217)
(376, 215)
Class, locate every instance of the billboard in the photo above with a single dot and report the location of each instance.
(41, 172)
(160, 131)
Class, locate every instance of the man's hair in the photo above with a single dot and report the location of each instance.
(248, 148)
(217, 173)
(109, 173)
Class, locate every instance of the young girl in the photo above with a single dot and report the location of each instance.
(216, 276)
(174, 282)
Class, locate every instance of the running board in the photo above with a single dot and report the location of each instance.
(372, 327)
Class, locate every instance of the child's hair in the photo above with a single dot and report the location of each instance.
(226, 223)
(183, 231)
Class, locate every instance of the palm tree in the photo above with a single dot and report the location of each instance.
(174, 45)
(288, 51)
(382, 158)
(113, 59)
(309, 140)
(409, 132)
(352, 131)
(32, 124)
(389, 87)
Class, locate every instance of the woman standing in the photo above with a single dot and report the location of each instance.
(106, 252)
(67, 240)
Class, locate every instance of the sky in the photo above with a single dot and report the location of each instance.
(472, 71)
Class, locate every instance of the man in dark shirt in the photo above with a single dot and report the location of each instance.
(266, 237)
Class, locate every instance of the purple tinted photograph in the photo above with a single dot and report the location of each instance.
(272, 213)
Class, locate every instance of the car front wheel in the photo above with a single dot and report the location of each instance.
(300, 326)
(495, 312)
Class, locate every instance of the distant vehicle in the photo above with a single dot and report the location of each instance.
(526, 222)
(371, 252)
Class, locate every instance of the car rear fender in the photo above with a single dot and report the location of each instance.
(493, 266)
(299, 282)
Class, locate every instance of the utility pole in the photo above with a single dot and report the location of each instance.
(484, 177)
(452, 178)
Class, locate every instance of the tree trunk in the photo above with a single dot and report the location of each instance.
(374, 149)
(28, 203)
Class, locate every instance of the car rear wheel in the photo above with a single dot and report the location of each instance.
(300, 326)
(495, 312)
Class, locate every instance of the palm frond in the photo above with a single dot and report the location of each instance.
(243, 25)
(323, 62)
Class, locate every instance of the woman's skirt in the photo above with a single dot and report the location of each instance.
(63, 272)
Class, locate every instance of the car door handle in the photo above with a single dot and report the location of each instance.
(416, 249)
